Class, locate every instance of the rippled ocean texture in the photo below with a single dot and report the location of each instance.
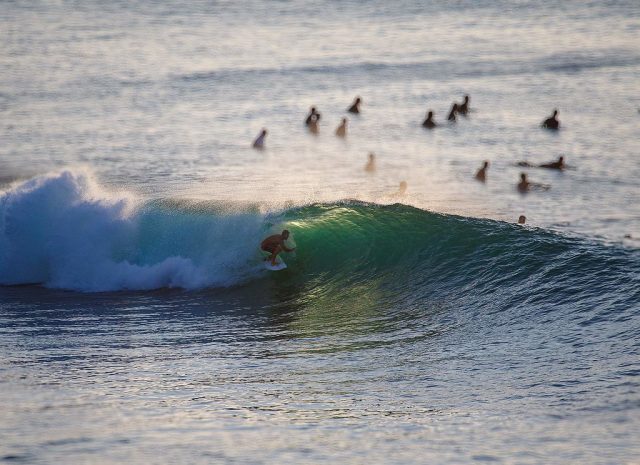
(137, 322)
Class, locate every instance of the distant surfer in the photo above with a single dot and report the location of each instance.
(371, 164)
(522, 219)
(481, 174)
(525, 185)
(402, 190)
(463, 108)
(552, 121)
(452, 113)
(275, 244)
(313, 116)
(355, 106)
(312, 120)
(259, 142)
(341, 131)
(428, 122)
(555, 165)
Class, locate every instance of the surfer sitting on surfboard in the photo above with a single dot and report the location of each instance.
(275, 244)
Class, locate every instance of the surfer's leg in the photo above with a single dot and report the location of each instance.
(274, 255)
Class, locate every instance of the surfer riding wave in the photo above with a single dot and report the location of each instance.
(275, 244)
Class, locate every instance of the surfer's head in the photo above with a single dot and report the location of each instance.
(285, 233)
(522, 219)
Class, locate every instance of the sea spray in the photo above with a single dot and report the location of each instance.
(63, 231)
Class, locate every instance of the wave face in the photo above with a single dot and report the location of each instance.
(63, 231)
(420, 256)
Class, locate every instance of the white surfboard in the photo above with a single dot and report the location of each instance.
(280, 265)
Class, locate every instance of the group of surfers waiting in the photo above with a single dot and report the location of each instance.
(552, 123)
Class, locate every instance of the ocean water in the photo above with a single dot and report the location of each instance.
(137, 323)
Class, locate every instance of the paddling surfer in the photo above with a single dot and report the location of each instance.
(275, 244)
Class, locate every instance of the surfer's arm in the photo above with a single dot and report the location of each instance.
(287, 249)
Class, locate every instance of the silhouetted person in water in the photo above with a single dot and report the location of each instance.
(554, 165)
(429, 123)
(522, 219)
(452, 113)
(313, 117)
(552, 121)
(355, 106)
(312, 120)
(481, 175)
(371, 164)
(341, 131)
(403, 188)
(259, 142)
(463, 108)
(525, 186)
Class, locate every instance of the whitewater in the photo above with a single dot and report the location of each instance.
(138, 323)
(61, 230)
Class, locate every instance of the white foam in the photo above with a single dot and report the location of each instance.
(64, 231)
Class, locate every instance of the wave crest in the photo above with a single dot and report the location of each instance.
(64, 231)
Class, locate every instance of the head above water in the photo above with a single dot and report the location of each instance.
(357, 100)
(430, 114)
(522, 219)
(555, 112)
(264, 132)
(466, 99)
(485, 164)
(523, 176)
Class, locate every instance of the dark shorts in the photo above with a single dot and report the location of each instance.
(269, 248)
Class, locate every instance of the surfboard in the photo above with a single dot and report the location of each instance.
(280, 265)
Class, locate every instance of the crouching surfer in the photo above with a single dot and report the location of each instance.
(275, 244)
